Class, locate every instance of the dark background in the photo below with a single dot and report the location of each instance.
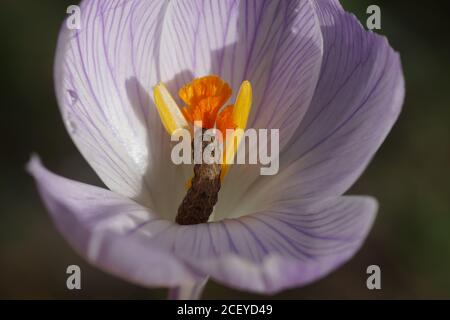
(410, 174)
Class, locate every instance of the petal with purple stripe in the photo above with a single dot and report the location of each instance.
(100, 225)
(102, 72)
(358, 99)
(291, 243)
(276, 45)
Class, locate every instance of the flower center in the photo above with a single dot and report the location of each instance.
(204, 98)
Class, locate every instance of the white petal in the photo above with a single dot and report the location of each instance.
(98, 223)
(276, 45)
(357, 101)
(102, 75)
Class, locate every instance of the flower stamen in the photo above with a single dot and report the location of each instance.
(171, 116)
(204, 98)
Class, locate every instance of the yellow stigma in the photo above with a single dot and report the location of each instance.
(204, 98)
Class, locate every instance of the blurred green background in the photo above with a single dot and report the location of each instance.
(410, 174)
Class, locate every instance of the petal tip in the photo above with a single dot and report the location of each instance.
(33, 164)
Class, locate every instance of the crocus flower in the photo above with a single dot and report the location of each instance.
(333, 90)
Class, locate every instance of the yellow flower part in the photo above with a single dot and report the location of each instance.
(204, 98)
(239, 116)
(170, 114)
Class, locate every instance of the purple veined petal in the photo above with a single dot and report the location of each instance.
(276, 45)
(112, 120)
(97, 223)
(358, 99)
(104, 75)
(290, 244)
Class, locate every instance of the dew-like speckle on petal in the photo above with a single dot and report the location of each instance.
(73, 96)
